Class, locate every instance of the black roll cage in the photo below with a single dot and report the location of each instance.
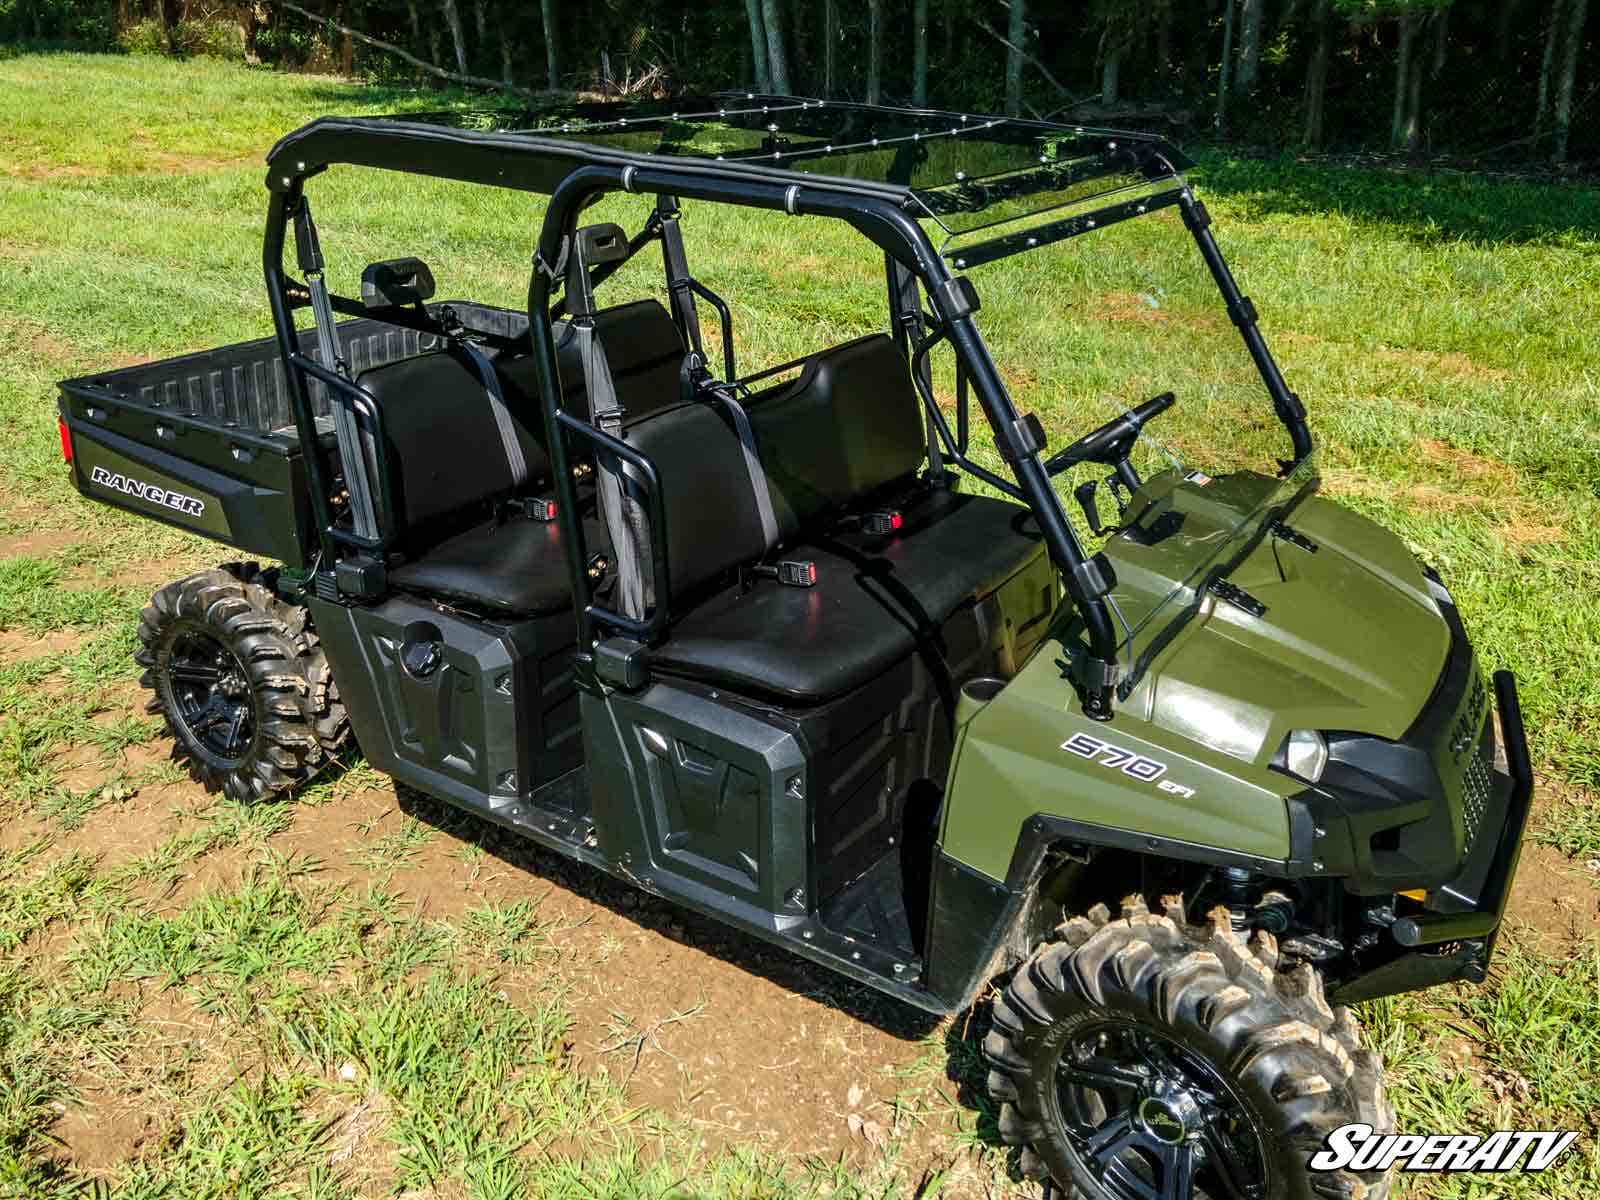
(575, 176)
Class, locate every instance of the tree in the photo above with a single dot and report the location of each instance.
(1225, 70)
(919, 53)
(458, 37)
(552, 56)
(830, 45)
(1017, 31)
(777, 60)
(1317, 73)
(1577, 11)
(875, 51)
(1244, 80)
(758, 44)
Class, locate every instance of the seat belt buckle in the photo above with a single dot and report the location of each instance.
(540, 508)
(801, 573)
(884, 522)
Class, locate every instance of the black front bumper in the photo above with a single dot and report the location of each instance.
(1455, 939)
(1478, 896)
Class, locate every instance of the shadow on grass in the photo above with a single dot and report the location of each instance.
(1422, 206)
(675, 922)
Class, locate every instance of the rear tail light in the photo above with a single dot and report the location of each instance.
(66, 439)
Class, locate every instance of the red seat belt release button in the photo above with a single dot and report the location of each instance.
(883, 522)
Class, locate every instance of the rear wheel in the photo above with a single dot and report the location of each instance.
(1149, 1059)
(241, 680)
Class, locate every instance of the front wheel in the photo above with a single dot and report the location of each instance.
(1149, 1059)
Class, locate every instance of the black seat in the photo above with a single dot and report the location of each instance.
(876, 600)
(845, 434)
(449, 466)
(514, 566)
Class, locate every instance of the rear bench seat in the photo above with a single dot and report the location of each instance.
(449, 467)
(846, 436)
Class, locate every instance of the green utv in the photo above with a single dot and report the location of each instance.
(746, 643)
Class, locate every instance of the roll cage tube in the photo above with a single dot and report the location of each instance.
(893, 231)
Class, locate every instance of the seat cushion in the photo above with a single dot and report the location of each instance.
(950, 549)
(876, 599)
(517, 566)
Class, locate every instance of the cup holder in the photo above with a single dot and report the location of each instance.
(975, 694)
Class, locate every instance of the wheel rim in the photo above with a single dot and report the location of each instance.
(1149, 1119)
(211, 694)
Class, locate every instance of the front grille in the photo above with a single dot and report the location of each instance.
(1476, 783)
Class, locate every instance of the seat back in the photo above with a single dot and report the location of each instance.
(849, 424)
(707, 499)
(444, 448)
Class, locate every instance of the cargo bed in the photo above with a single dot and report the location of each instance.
(207, 441)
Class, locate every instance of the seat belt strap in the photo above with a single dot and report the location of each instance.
(346, 432)
(497, 405)
(624, 518)
(752, 464)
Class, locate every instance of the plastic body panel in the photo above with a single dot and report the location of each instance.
(491, 719)
(219, 421)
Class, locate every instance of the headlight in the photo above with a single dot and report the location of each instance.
(1305, 753)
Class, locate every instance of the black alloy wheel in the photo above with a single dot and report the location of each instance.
(1147, 1058)
(1150, 1120)
(239, 674)
(210, 694)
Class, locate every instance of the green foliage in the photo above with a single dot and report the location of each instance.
(144, 37)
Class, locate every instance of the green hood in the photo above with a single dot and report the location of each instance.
(1350, 640)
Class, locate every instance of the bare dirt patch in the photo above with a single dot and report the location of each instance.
(743, 1040)
(1451, 362)
(1489, 474)
(18, 645)
(38, 543)
(1127, 306)
(1556, 897)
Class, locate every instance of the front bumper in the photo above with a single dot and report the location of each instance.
(1454, 940)
(1477, 897)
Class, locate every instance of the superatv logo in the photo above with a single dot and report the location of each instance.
(1358, 1148)
(149, 492)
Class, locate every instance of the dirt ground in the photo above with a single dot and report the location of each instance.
(743, 1040)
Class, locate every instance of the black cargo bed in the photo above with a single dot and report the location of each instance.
(207, 441)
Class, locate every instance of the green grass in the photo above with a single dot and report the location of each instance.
(1441, 331)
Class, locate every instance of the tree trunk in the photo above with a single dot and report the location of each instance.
(1016, 33)
(458, 36)
(1227, 66)
(1402, 80)
(777, 60)
(1505, 26)
(506, 54)
(830, 46)
(919, 53)
(1552, 35)
(417, 44)
(1441, 42)
(1244, 82)
(1163, 38)
(758, 44)
(552, 46)
(875, 51)
(480, 25)
(1576, 12)
(1110, 71)
(1317, 73)
(1412, 131)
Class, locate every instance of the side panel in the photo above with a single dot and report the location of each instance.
(487, 719)
(1031, 751)
(691, 792)
(257, 513)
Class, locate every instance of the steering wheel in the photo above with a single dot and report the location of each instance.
(1111, 444)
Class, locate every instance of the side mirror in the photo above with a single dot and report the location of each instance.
(396, 282)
